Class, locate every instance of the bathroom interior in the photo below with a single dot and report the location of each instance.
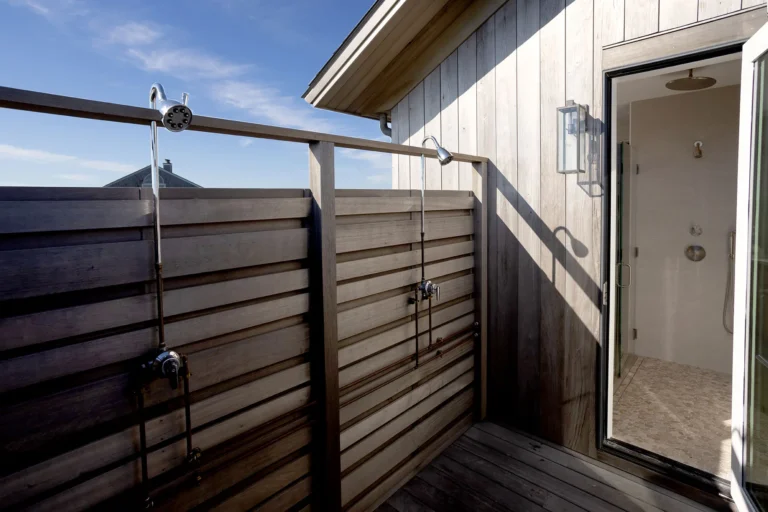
(677, 157)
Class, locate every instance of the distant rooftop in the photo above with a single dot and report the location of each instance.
(143, 178)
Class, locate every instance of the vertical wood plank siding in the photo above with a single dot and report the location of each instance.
(543, 287)
(625, 20)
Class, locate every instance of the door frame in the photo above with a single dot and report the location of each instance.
(610, 449)
(753, 49)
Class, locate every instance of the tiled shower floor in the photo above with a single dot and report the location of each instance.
(681, 412)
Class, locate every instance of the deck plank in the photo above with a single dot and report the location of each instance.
(573, 478)
(492, 469)
(448, 494)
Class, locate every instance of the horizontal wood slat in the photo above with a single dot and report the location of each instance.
(364, 318)
(412, 466)
(401, 351)
(421, 408)
(375, 265)
(55, 324)
(62, 269)
(377, 205)
(264, 488)
(195, 255)
(352, 410)
(41, 216)
(357, 237)
(32, 272)
(204, 211)
(379, 342)
(387, 459)
(363, 428)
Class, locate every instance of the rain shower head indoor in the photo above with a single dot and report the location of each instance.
(443, 155)
(176, 116)
(691, 83)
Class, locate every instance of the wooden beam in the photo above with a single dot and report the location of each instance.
(480, 186)
(326, 474)
(19, 99)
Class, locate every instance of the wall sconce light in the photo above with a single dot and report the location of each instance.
(572, 138)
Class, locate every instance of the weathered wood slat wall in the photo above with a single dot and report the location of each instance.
(544, 248)
(395, 416)
(77, 309)
(624, 20)
(237, 303)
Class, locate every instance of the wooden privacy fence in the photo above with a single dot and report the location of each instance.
(281, 378)
(291, 306)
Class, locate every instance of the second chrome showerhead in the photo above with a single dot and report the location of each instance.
(177, 116)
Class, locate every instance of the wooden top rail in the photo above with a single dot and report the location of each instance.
(20, 99)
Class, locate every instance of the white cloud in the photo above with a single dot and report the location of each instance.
(74, 177)
(8, 152)
(133, 33)
(379, 179)
(54, 10)
(375, 159)
(267, 104)
(185, 63)
(32, 155)
(105, 165)
(245, 142)
(36, 7)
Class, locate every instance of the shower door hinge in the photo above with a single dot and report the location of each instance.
(637, 252)
(605, 293)
(637, 168)
(634, 334)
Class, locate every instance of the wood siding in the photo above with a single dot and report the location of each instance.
(78, 310)
(545, 228)
(625, 20)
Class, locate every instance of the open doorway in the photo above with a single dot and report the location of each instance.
(673, 238)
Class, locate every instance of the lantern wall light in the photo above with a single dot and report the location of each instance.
(572, 138)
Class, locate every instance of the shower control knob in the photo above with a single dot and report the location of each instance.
(167, 365)
(428, 288)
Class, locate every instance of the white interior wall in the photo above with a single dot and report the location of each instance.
(678, 303)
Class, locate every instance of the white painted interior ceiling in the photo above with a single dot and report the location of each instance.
(726, 70)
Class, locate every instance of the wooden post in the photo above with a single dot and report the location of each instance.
(481, 193)
(326, 460)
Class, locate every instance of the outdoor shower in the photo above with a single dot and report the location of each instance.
(162, 363)
(426, 288)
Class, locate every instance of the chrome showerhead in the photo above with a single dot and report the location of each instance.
(443, 155)
(176, 116)
(691, 83)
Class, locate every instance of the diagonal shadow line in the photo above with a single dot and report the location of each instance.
(559, 250)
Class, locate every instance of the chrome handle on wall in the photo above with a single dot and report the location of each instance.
(618, 271)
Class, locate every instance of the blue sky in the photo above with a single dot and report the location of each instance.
(240, 59)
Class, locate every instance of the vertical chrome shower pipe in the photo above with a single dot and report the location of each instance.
(156, 90)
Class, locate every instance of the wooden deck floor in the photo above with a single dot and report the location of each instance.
(493, 469)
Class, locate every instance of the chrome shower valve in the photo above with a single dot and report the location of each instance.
(429, 289)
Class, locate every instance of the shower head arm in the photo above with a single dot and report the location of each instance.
(156, 92)
(430, 137)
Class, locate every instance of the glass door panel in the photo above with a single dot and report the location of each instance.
(755, 470)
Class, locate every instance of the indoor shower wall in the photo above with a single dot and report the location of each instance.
(679, 302)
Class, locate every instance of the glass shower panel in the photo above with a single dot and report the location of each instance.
(756, 420)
